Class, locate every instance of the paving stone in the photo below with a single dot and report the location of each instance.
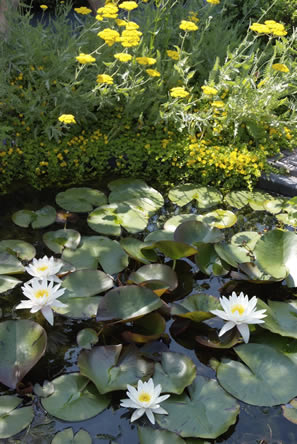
(280, 183)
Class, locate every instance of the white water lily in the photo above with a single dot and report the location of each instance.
(145, 399)
(45, 268)
(42, 296)
(239, 311)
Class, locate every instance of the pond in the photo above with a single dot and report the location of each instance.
(163, 261)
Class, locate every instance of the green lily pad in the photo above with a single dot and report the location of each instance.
(111, 367)
(196, 307)
(78, 307)
(60, 239)
(127, 302)
(146, 329)
(12, 419)
(174, 221)
(281, 317)
(220, 218)
(44, 391)
(248, 239)
(175, 372)
(192, 232)
(174, 249)
(256, 381)
(232, 254)
(212, 340)
(133, 247)
(9, 264)
(238, 199)
(282, 263)
(86, 338)
(288, 218)
(275, 206)
(38, 219)
(207, 412)
(75, 399)
(22, 344)
(206, 197)
(290, 411)
(208, 261)
(23, 250)
(159, 235)
(147, 435)
(85, 283)
(258, 199)
(80, 200)
(155, 272)
(8, 283)
(67, 436)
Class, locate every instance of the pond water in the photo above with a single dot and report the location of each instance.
(254, 424)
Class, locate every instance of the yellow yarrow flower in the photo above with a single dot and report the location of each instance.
(104, 78)
(269, 27)
(122, 57)
(153, 72)
(131, 25)
(129, 6)
(44, 7)
(178, 91)
(209, 90)
(174, 55)
(109, 35)
(108, 11)
(83, 10)
(218, 104)
(280, 67)
(130, 37)
(213, 2)
(85, 58)
(67, 118)
(146, 60)
(188, 26)
(120, 22)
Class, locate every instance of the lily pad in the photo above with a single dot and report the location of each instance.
(86, 338)
(158, 235)
(153, 272)
(127, 302)
(60, 239)
(248, 239)
(256, 381)
(10, 264)
(206, 197)
(111, 367)
(67, 436)
(8, 283)
(282, 263)
(232, 254)
(175, 372)
(23, 250)
(290, 411)
(208, 261)
(212, 340)
(281, 317)
(85, 283)
(207, 412)
(38, 219)
(12, 419)
(196, 307)
(174, 249)
(147, 435)
(288, 218)
(174, 221)
(80, 200)
(133, 247)
(22, 344)
(258, 199)
(238, 199)
(192, 232)
(220, 218)
(78, 307)
(146, 329)
(75, 399)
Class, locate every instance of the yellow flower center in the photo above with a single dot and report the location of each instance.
(43, 268)
(41, 293)
(144, 397)
(239, 308)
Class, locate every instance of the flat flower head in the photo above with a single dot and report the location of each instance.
(131, 25)
(85, 58)
(128, 6)
(280, 67)
(110, 36)
(42, 295)
(213, 2)
(45, 268)
(108, 11)
(178, 91)
(104, 78)
(67, 118)
(174, 55)
(44, 7)
(146, 60)
(123, 57)
(83, 10)
(188, 26)
(145, 399)
(218, 104)
(153, 73)
(209, 90)
(239, 311)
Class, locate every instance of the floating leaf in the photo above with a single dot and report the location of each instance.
(228, 340)
(290, 411)
(111, 367)
(238, 199)
(67, 436)
(38, 219)
(146, 329)
(23, 250)
(174, 249)
(80, 200)
(60, 239)
(8, 283)
(46, 390)
(147, 435)
(248, 239)
(174, 221)
(196, 307)
(13, 420)
(75, 399)
(174, 373)
(281, 317)
(158, 235)
(206, 197)
(232, 254)
(288, 218)
(10, 264)
(127, 302)
(22, 344)
(258, 199)
(192, 232)
(282, 263)
(275, 206)
(207, 412)
(86, 338)
(220, 218)
(133, 247)
(85, 283)
(79, 307)
(256, 381)
(208, 261)
(155, 272)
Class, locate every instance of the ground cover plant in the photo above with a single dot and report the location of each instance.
(98, 286)
(169, 89)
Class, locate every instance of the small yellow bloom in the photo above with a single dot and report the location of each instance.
(188, 26)
(121, 22)
(104, 78)
(129, 6)
(108, 11)
(174, 55)
(178, 91)
(280, 67)
(131, 25)
(82, 10)
(109, 36)
(213, 2)
(153, 72)
(123, 57)
(146, 60)
(209, 90)
(130, 37)
(44, 7)
(67, 118)
(85, 58)
(218, 104)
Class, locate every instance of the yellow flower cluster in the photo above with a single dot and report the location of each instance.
(218, 104)
(188, 26)
(213, 2)
(110, 36)
(280, 67)
(146, 60)
(153, 73)
(269, 27)
(178, 91)
(104, 78)
(128, 6)
(67, 118)
(83, 10)
(209, 90)
(108, 11)
(44, 7)
(131, 25)
(123, 57)
(174, 55)
(130, 37)
(85, 58)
